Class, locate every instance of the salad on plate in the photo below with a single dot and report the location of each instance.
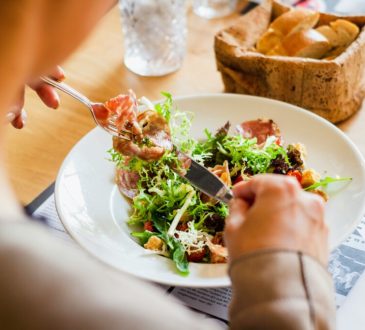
(169, 216)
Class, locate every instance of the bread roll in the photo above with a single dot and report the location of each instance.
(346, 32)
(340, 33)
(278, 50)
(269, 40)
(295, 20)
(290, 22)
(329, 33)
(308, 43)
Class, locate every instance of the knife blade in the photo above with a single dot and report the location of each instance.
(204, 180)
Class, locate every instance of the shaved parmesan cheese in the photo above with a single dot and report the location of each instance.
(191, 239)
(180, 213)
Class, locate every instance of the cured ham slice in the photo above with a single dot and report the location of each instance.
(260, 129)
(155, 128)
(148, 131)
(124, 108)
(127, 182)
(131, 148)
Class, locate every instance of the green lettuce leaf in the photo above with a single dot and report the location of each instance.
(325, 182)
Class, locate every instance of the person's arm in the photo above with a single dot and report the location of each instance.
(277, 240)
(281, 290)
(48, 284)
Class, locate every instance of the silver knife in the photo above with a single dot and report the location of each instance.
(204, 180)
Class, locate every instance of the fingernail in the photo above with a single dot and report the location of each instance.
(57, 97)
(236, 216)
(63, 76)
(61, 73)
(10, 116)
(24, 117)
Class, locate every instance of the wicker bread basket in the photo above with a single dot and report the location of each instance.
(334, 89)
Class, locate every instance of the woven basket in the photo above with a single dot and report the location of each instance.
(332, 89)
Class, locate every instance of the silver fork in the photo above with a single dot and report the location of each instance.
(199, 176)
(109, 125)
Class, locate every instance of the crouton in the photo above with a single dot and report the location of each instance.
(154, 243)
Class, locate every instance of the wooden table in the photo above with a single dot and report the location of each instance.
(35, 153)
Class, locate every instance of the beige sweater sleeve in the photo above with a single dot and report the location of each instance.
(45, 284)
(281, 290)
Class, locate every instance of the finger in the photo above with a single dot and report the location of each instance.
(46, 92)
(248, 190)
(314, 206)
(48, 95)
(57, 74)
(20, 120)
(10, 116)
(14, 113)
(245, 190)
(266, 185)
(237, 213)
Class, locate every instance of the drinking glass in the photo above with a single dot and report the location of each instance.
(214, 8)
(154, 35)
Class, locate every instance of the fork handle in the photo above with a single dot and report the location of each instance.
(68, 90)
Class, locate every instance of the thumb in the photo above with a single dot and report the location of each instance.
(237, 213)
(20, 120)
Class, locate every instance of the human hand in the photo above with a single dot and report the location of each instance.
(17, 115)
(273, 212)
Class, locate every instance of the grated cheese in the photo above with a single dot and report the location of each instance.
(191, 239)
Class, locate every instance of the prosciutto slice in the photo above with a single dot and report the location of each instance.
(260, 129)
(124, 109)
(127, 182)
(148, 132)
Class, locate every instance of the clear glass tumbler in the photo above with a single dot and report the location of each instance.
(154, 35)
(214, 8)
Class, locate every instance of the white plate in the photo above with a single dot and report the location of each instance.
(95, 214)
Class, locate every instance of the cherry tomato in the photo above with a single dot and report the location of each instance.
(148, 225)
(278, 141)
(296, 174)
(196, 256)
(182, 226)
(238, 179)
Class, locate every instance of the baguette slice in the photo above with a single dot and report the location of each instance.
(268, 41)
(329, 33)
(295, 20)
(340, 33)
(308, 43)
(346, 32)
(290, 22)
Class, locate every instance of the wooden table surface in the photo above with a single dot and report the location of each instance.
(35, 153)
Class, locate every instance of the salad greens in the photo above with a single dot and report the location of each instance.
(183, 222)
(325, 182)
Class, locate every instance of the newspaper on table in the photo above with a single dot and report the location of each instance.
(347, 264)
